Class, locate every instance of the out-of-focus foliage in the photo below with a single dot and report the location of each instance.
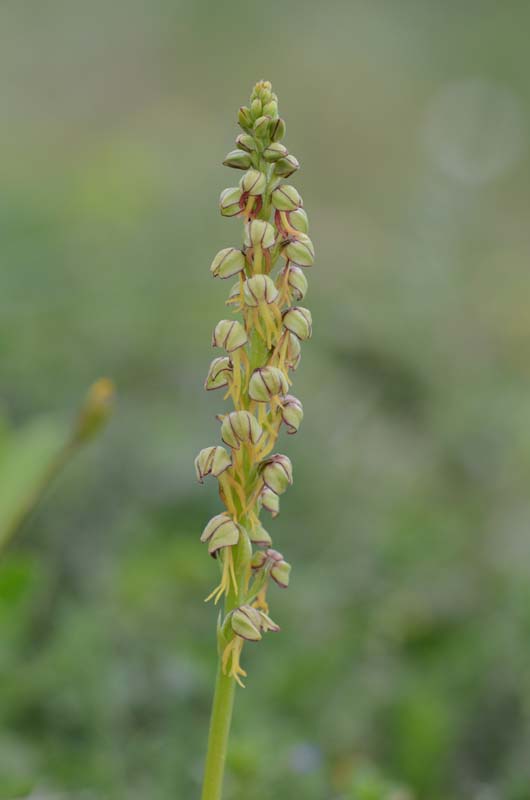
(402, 667)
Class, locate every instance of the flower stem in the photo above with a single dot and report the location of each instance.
(221, 718)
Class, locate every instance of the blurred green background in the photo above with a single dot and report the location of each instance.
(402, 669)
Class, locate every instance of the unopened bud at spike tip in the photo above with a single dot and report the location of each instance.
(277, 129)
(261, 127)
(244, 118)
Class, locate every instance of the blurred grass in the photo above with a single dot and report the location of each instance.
(402, 666)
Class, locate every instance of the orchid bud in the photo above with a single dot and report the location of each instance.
(253, 182)
(294, 352)
(277, 473)
(277, 129)
(270, 501)
(259, 536)
(300, 251)
(240, 427)
(230, 335)
(212, 461)
(280, 570)
(244, 117)
(275, 151)
(237, 159)
(259, 559)
(246, 142)
(227, 263)
(297, 282)
(259, 233)
(221, 531)
(285, 167)
(286, 198)
(292, 413)
(298, 220)
(261, 127)
(256, 108)
(259, 289)
(271, 109)
(267, 382)
(298, 320)
(246, 622)
(229, 201)
(220, 370)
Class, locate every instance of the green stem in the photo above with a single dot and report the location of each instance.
(223, 703)
(225, 686)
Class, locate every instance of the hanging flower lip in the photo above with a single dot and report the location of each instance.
(221, 531)
(212, 461)
(220, 370)
(230, 335)
(266, 383)
(298, 320)
(259, 289)
(227, 263)
(240, 427)
(277, 473)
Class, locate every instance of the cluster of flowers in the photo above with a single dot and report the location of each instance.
(259, 354)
